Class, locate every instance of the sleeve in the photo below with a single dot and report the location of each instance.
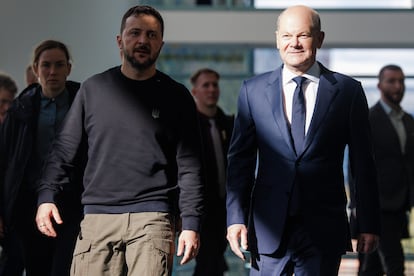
(61, 159)
(242, 158)
(362, 166)
(189, 166)
(3, 157)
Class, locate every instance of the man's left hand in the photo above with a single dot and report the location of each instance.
(189, 244)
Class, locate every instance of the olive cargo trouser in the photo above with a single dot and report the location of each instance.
(125, 244)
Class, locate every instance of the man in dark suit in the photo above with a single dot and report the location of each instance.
(393, 140)
(216, 129)
(295, 205)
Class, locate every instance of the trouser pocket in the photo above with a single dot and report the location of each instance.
(81, 255)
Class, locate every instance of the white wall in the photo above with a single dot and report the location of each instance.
(89, 28)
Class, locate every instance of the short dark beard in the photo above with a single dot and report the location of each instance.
(137, 65)
(392, 100)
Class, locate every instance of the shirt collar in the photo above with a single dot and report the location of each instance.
(389, 111)
(61, 99)
(312, 74)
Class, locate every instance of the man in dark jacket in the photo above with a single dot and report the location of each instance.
(25, 138)
(216, 130)
(393, 141)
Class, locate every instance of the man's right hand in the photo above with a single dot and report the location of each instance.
(367, 243)
(45, 213)
(236, 235)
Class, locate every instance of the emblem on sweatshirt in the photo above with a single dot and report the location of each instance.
(155, 113)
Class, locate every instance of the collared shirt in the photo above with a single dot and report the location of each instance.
(310, 91)
(51, 114)
(396, 120)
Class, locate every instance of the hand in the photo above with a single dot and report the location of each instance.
(189, 243)
(367, 243)
(45, 212)
(236, 233)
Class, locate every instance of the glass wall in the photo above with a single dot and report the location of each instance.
(233, 62)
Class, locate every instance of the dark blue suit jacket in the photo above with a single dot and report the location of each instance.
(261, 136)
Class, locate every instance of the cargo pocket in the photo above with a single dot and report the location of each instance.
(163, 257)
(81, 255)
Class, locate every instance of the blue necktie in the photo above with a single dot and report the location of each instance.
(298, 115)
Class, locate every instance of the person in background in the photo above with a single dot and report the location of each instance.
(216, 130)
(30, 76)
(25, 140)
(143, 168)
(393, 141)
(8, 90)
(296, 121)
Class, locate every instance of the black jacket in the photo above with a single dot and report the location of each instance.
(17, 135)
(225, 126)
(395, 170)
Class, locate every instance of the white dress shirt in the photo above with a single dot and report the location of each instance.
(310, 91)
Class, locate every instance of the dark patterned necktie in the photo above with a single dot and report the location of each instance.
(298, 115)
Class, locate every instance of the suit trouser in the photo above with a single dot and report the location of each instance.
(125, 244)
(296, 254)
(12, 256)
(389, 257)
(210, 260)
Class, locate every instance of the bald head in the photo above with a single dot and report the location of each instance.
(301, 11)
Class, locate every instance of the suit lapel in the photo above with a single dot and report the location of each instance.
(275, 97)
(327, 91)
(385, 129)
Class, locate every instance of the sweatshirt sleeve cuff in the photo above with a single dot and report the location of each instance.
(45, 197)
(191, 223)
